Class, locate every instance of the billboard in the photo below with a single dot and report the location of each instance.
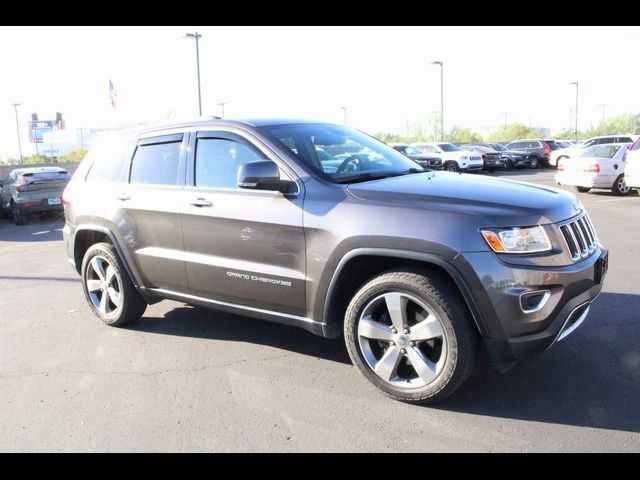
(38, 129)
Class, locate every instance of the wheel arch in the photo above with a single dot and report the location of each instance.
(375, 261)
(87, 235)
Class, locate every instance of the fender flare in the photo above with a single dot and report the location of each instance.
(446, 265)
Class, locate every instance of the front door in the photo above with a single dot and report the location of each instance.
(242, 247)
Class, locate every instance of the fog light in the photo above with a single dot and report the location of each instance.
(531, 302)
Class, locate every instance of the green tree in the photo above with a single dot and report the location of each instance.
(463, 135)
(512, 132)
(73, 156)
(623, 123)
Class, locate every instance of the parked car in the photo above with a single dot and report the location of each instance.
(425, 160)
(599, 166)
(511, 158)
(492, 159)
(562, 153)
(453, 157)
(30, 191)
(632, 165)
(414, 268)
(539, 151)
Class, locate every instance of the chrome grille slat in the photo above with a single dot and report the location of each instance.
(579, 236)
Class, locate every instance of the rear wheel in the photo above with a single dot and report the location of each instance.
(535, 162)
(107, 287)
(620, 186)
(583, 189)
(411, 336)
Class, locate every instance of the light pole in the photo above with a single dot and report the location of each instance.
(197, 37)
(576, 114)
(344, 115)
(15, 107)
(505, 120)
(602, 105)
(441, 63)
(221, 105)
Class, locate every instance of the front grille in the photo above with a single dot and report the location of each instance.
(580, 237)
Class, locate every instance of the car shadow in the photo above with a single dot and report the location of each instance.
(198, 322)
(525, 172)
(590, 379)
(37, 229)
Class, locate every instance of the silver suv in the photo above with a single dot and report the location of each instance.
(413, 267)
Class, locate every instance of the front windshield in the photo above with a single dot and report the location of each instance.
(449, 147)
(341, 154)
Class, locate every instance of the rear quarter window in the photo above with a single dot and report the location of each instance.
(110, 160)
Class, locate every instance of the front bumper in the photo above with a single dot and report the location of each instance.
(509, 330)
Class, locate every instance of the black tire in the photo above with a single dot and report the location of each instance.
(535, 162)
(18, 216)
(451, 167)
(130, 305)
(443, 299)
(583, 189)
(620, 187)
(508, 164)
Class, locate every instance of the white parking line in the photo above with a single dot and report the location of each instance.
(616, 200)
(41, 233)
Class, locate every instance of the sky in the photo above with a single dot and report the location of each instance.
(382, 75)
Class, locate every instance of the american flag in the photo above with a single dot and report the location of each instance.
(113, 95)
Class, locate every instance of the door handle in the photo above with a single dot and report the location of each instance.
(124, 196)
(201, 202)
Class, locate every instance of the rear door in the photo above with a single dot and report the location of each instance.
(243, 247)
(145, 211)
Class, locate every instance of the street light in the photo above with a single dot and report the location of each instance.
(441, 63)
(603, 105)
(576, 115)
(197, 37)
(344, 115)
(221, 105)
(15, 107)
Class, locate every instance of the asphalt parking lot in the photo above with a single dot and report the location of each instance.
(188, 379)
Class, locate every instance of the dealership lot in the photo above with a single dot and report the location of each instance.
(188, 379)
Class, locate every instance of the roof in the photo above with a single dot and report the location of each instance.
(22, 171)
(212, 121)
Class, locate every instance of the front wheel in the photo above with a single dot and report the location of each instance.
(451, 167)
(411, 336)
(583, 189)
(107, 287)
(508, 164)
(620, 186)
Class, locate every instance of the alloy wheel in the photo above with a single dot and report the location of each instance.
(103, 285)
(402, 340)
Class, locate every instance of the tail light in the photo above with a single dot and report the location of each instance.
(592, 169)
(66, 200)
(22, 188)
(547, 148)
(484, 156)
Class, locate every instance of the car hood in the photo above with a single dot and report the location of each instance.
(502, 203)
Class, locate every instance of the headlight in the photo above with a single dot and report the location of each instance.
(517, 240)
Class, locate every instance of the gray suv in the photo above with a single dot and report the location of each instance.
(415, 268)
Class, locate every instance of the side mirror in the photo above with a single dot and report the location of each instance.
(261, 175)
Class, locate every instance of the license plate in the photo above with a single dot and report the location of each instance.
(601, 267)
(54, 201)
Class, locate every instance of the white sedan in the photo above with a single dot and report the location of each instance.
(599, 166)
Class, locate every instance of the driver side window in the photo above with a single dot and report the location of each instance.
(218, 159)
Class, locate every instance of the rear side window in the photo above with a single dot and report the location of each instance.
(110, 161)
(623, 140)
(218, 159)
(156, 163)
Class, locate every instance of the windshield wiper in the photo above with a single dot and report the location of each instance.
(365, 177)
